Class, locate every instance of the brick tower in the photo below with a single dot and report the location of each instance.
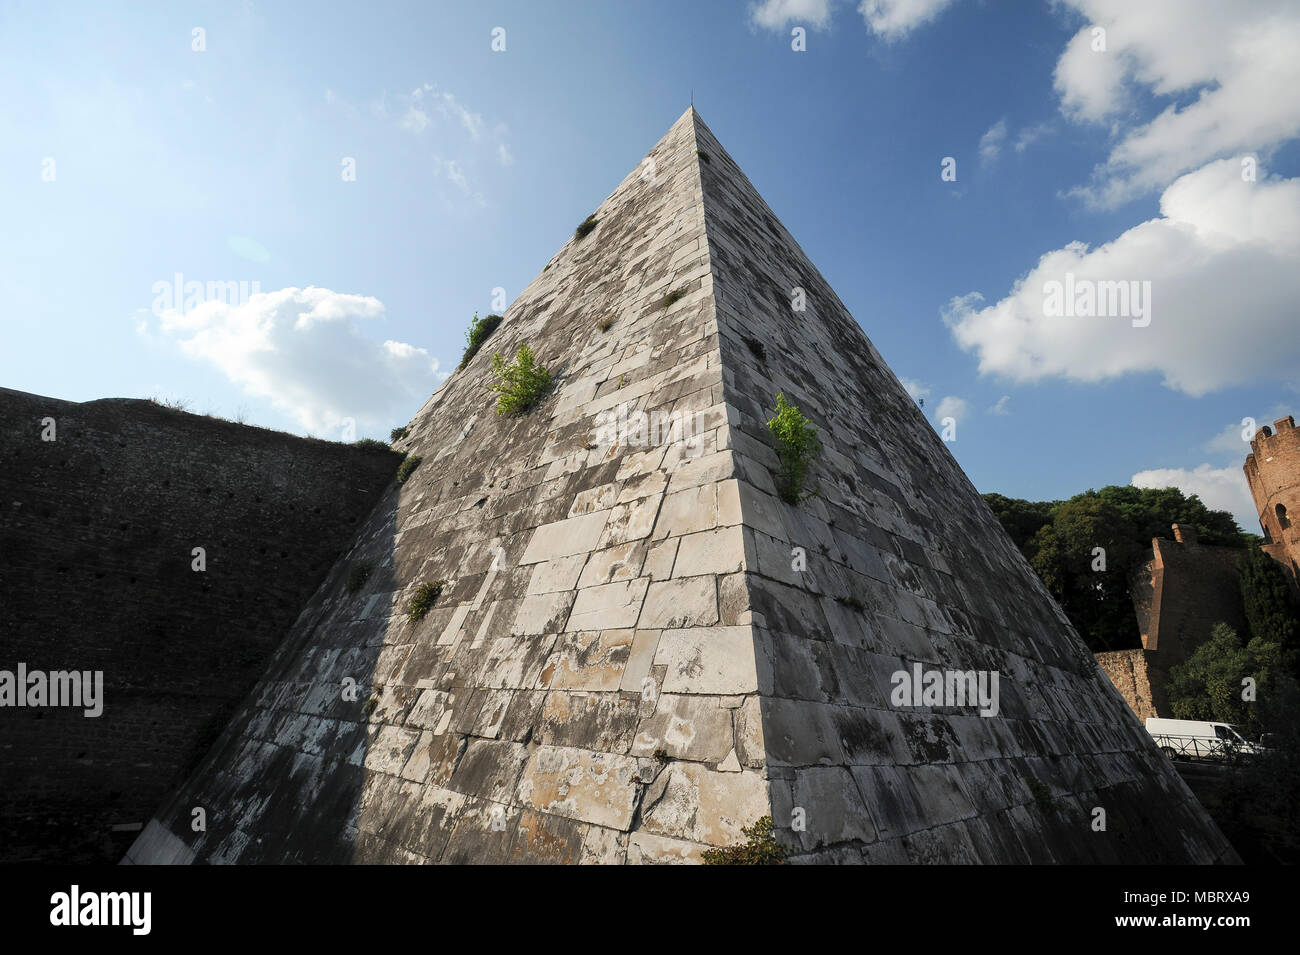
(1273, 472)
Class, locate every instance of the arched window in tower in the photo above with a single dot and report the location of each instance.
(1282, 520)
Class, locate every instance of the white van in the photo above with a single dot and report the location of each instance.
(1200, 739)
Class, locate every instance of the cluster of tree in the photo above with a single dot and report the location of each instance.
(1084, 549)
(1250, 680)
(1227, 676)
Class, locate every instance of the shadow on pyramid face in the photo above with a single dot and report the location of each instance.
(286, 781)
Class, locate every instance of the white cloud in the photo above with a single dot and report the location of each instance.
(304, 351)
(1030, 135)
(445, 104)
(914, 388)
(1000, 406)
(1230, 73)
(1229, 443)
(894, 19)
(1223, 260)
(416, 120)
(504, 156)
(991, 142)
(950, 406)
(456, 176)
(1221, 489)
(775, 14)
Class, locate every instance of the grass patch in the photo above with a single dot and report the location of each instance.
(761, 848)
(397, 434)
(585, 227)
(426, 595)
(358, 574)
(479, 331)
(605, 323)
(675, 295)
(408, 465)
(797, 446)
(172, 404)
(370, 444)
(1042, 795)
(520, 383)
(368, 707)
(703, 155)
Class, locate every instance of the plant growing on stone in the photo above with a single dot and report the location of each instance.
(797, 446)
(520, 383)
(172, 404)
(585, 227)
(426, 595)
(370, 444)
(703, 155)
(605, 323)
(397, 434)
(358, 574)
(761, 848)
(479, 331)
(1042, 795)
(675, 295)
(408, 465)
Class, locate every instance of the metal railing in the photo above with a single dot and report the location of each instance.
(1201, 748)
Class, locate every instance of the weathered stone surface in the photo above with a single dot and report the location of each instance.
(680, 603)
(609, 606)
(667, 651)
(573, 535)
(712, 660)
(703, 804)
(686, 727)
(578, 784)
(589, 660)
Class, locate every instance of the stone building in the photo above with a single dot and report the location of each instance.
(1179, 593)
(640, 648)
(1273, 473)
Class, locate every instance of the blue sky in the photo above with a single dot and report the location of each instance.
(130, 156)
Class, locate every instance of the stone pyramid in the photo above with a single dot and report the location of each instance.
(640, 649)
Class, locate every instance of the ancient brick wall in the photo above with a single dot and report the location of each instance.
(97, 529)
(1130, 671)
(1179, 593)
(1197, 587)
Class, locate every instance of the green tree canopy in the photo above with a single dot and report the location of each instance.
(1267, 598)
(1084, 556)
(1059, 539)
(1208, 684)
